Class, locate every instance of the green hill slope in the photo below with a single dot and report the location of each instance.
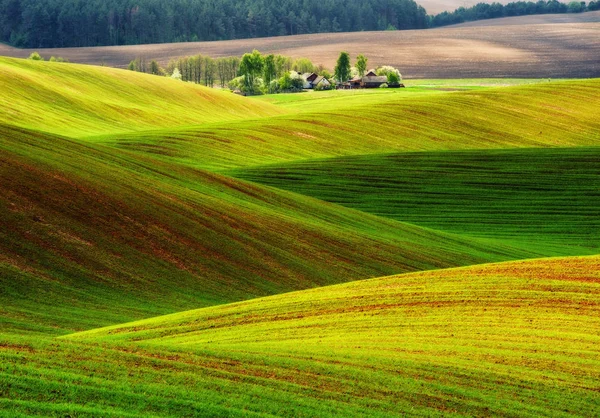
(508, 339)
(546, 197)
(561, 114)
(91, 237)
(78, 100)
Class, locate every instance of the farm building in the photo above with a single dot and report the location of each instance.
(312, 80)
(308, 79)
(355, 82)
(372, 80)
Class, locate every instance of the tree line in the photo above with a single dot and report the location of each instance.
(255, 73)
(73, 23)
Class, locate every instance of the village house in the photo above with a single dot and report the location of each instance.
(372, 80)
(312, 80)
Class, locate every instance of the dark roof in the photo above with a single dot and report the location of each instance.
(309, 76)
(374, 79)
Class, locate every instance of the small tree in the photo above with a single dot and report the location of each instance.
(36, 57)
(285, 82)
(393, 79)
(342, 67)
(303, 65)
(361, 65)
(386, 70)
(269, 71)
(154, 68)
(176, 74)
(251, 67)
(325, 74)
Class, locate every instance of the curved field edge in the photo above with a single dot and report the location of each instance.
(561, 114)
(80, 100)
(516, 338)
(542, 197)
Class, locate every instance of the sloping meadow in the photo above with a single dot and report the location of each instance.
(508, 339)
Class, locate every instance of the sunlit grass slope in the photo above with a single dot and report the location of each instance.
(79, 100)
(544, 197)
(561, 114)
(90, 236)
(510, 339)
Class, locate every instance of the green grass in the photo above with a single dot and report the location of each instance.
(561, 114)
(547, 197)
(510, 339)
(78, 100)
(88, 229)
(311, 100)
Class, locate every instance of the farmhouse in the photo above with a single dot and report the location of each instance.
(372, 80)
(308, 79)
(312, 80)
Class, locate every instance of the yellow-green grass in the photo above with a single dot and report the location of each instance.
(562, 114)
(78, 100)
(509, 339)
(90, 236)
(541, 197)
(311, 100)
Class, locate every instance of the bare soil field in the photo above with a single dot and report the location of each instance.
(554, 46)
(439, 6)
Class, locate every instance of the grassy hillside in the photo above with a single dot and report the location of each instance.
(541, 115)
(543, 197)
(77, 100)
(117, 204)
(503, 340)
(91, 237)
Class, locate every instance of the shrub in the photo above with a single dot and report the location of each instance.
(176, 74)
(383, 86)
(36, 57)
(387, 69)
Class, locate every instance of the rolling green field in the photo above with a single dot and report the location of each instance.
(510, 339)
(79, 100)
(561, 114)
(253, 224)
(543, 197)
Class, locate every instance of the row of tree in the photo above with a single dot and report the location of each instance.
(255, 73)
(208, 71)
(72, 23)
(520, 8)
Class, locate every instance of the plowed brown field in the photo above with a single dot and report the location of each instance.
(557, 46)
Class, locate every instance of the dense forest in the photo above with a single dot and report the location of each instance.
(65, 23)
(62, 23)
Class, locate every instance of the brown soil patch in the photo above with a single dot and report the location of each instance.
(556, 46)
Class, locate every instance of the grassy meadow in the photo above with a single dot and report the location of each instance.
(172, 250)
(509, 339)
(547, 197)
(561, 114)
